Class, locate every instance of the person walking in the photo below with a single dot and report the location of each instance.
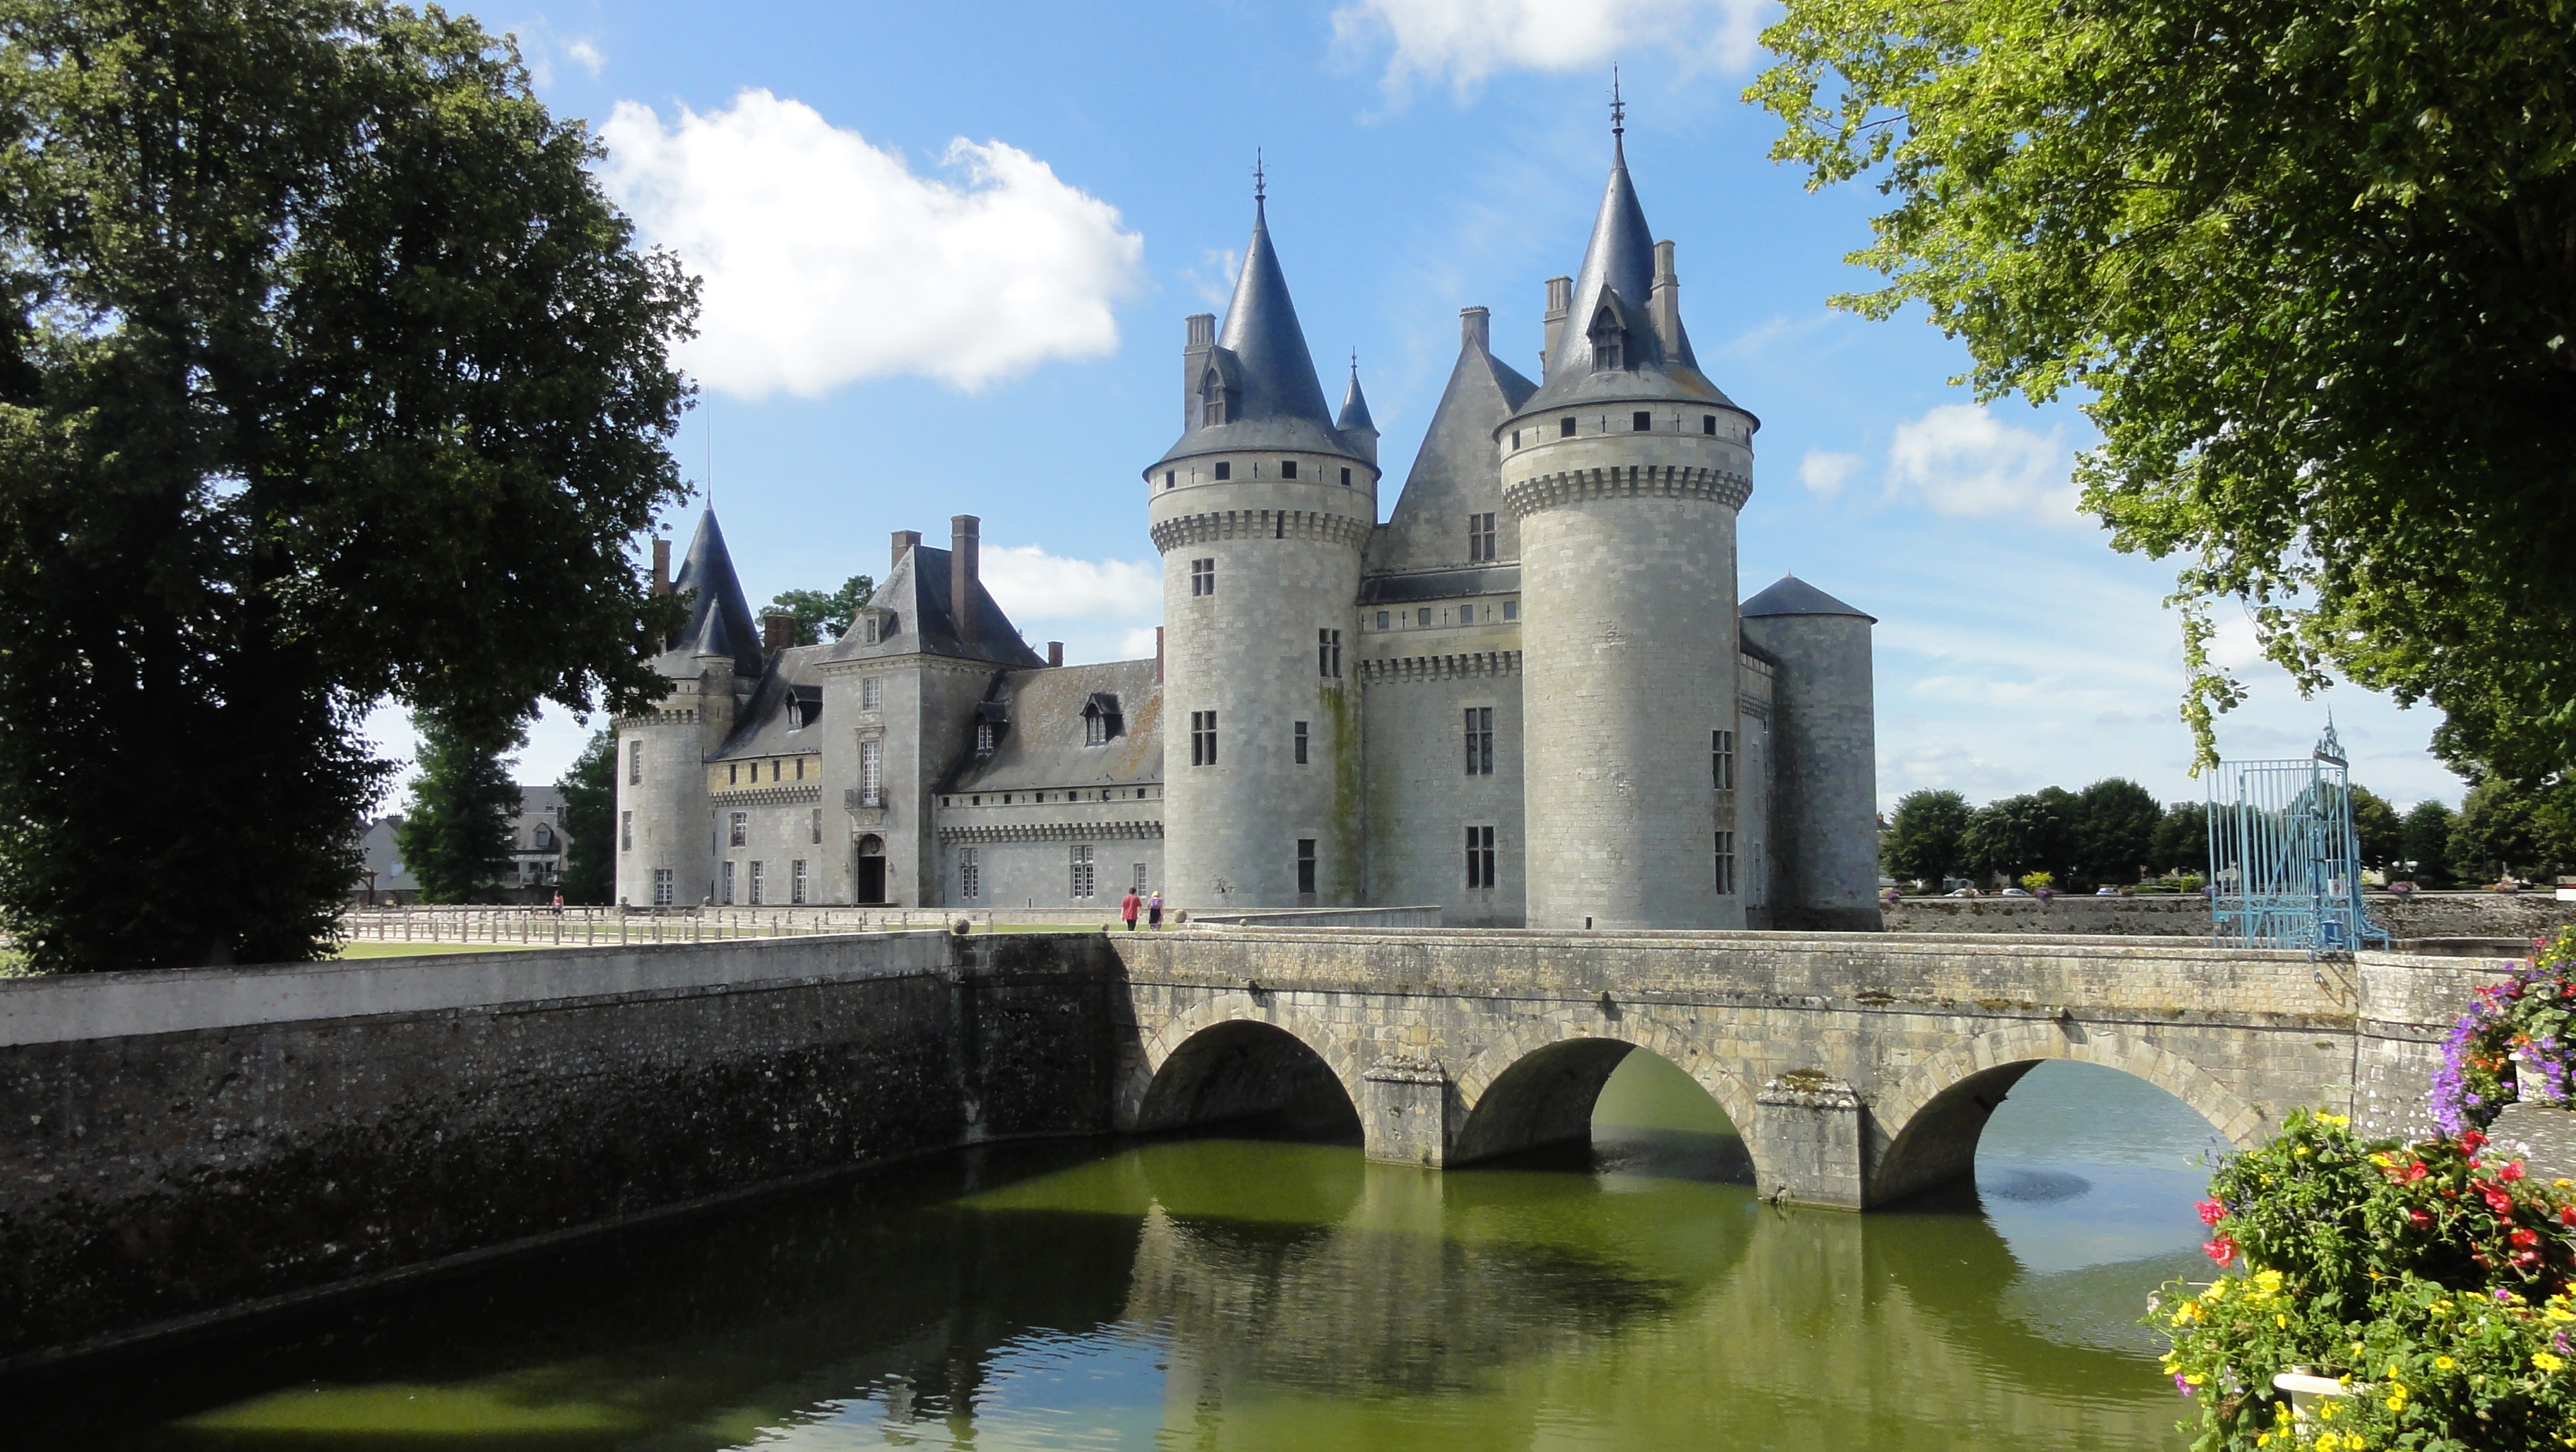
(1127, 907)
(1154, 910)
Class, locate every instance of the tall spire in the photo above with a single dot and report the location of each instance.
(719, 616)
(1263, 334)
(1355, 409)
(1621, 259)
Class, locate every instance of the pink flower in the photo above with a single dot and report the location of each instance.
(2221, 1250)
(2211, 1212)
(2510, 1172)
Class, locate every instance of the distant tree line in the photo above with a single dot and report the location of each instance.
(2115, 832)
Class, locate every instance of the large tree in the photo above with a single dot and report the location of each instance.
(327, 374)
(2034, 832)
(822, 616)
(2181, 839)
(2115, 831)
(2377, 829)
(1923, 837)
(2311, 263)
(2427, 844)
(457, 839)
(589, 788)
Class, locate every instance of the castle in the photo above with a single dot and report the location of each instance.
(1530, 695)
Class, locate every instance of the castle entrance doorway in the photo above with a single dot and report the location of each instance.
(872, 869)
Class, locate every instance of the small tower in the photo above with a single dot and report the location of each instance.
(666, 833)
(1625, 470)
(1824, 765)
(1261, 511)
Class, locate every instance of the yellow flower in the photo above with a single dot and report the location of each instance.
(2545, 1361)
(2443, 1363)
(2337, 1120)
(2280, 1320)
(2217, 1292)
(2397, 1399)
(2441, 1308)
(2559, 1313)
(2268, 1281)
(2565, 1184)
(2326, 1411)
(2301, 1152)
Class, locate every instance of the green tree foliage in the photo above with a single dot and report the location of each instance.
(821, 617)
(327, 373)
(2115, 831)
(2308, 258)
(2181, 840)
(2427, 844)
(2504, 827)
(456, 835)
(2034, 832)
(1923, 837)
(2375, 824)
(589, 790)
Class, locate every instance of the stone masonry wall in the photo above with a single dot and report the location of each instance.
(2425, 915)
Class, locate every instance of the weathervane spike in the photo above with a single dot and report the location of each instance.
(1260, 182)
(1618, 107)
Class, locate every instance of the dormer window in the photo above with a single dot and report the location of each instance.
(876, 626)
(1217, 402)
(1101, 720)
(1609, 341)
(983, 738)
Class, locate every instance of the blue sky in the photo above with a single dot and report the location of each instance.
(948, 249)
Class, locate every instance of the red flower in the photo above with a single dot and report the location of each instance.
(2416, 1171)
(2211, 1212)
(2221, 1250)
(2471, 1139)
(2523, 1238)
(2510, 1172)
(2497, 1200)
(2422, 1220)
(2567, 1216)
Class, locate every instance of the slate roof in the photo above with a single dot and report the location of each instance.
(1454, 474)
(1041, 743)
(1793, 596)
(785, 715)
(1355, 411)
(1262, 350)
(1439, 585)
(917, 592)
(720, 620)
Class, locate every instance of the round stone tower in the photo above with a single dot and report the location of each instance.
(1626, 470)
(1261, 511)
(1825, 770)
(666, 832)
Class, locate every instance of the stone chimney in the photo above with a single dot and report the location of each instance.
(1664, 304)
(777, 632)
(1560, 301)
(661, 567)
(1194, 362)
(965, 554)
(1476, 329)
(1055, 652)
(904, 540)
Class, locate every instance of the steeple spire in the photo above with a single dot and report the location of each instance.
(1262, 332)
(1620, 259)
(1355, 409)
(719, 617)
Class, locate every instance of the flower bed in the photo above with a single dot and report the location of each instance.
(2434, 1283)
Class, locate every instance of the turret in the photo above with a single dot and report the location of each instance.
(1261, 510)
(1625, 470)
(665, 841)
(1824, 758)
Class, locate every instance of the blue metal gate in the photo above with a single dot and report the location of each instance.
(2284, 864)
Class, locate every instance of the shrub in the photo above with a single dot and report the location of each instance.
(2515, 1042)
(2431, 1281)
(2037, 880)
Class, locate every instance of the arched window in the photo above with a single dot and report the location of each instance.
(1216, 401)
(1609, 340)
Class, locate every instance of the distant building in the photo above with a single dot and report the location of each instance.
(1530, 694)
(538, 842)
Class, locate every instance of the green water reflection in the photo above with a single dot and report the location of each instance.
(1223, 1293)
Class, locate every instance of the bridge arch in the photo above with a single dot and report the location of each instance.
(1937, 1113)
(1236, 1055)
(1537, 1083)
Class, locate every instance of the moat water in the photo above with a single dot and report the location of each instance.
(1258, 1294)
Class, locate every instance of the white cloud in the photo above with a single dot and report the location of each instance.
(586, 55)
(827, 260)
(1960, 459)
(1030, 584)
(1825, 473)
(1464, 41)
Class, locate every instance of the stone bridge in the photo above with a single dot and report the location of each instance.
(1860, 1069)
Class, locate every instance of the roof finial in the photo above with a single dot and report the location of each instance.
(1260, 183)
(1618, 107)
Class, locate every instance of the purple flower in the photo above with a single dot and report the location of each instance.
(2181, 1385)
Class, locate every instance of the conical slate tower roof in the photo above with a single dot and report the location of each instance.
(1262, 360)
(1355, 414)
(1790, 595)
(719, 618)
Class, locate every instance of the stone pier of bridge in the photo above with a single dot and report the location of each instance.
(1860, 1069)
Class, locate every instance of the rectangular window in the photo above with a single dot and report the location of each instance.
(1202, 738)
(871, 693)
(1480, 857)
(796, 882)
(755, 884)
(1511, 610)
(1726, 864)
(800, 768)
(663, 892)
(1423, 617)
(872, 773)
(1301, 743)
(1480, 741)
(1708, 423)
(818, 826)
(1169, 477)
(741, 829)
(634, 763)
(1641, 421)
(970, 876)
(626, 831)
(1565, 428)
(1082, 882)
(1466, 614)
(1480, 538)
(1328, 653)
(727, 895)
(733, 773)
(1287, 468)
(1382, 619)
(983, 738)
(1306, 866)
(1346, 478)
(1721, 760)
(1516, 438)
(1140, 879)
(1224, 471)
(1202, 577)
